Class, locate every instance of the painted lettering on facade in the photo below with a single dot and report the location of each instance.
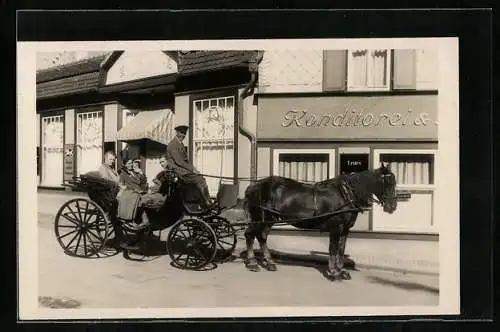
(354, 118)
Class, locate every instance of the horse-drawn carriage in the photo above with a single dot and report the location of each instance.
(84, 226)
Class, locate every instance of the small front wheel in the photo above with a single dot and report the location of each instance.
(191, 244)
(225, 235)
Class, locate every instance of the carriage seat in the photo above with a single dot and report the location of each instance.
(227, 196)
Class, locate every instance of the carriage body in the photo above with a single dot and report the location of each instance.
(85, 226)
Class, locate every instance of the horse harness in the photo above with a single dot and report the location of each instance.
(347, 194)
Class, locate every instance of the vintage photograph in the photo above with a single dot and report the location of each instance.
(243, 178)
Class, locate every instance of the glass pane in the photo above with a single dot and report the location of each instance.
(411, 168)
(358, 70)
(378, 68)
(307, 167)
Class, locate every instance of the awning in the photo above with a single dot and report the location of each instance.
(153, 125)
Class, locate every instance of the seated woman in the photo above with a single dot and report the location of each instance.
(139, 175)
(130, 197)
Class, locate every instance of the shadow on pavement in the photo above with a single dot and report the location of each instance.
(406, 285)
(312, 260)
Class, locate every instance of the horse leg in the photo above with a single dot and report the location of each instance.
(267, 261)
(341, 257)
(250, 262)
(333, 272)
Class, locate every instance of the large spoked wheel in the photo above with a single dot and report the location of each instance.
(82, 228)
(191, 244)
(225, 235)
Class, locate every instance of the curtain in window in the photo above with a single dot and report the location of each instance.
(89, 141)
(303, 167)
(52, 145)
(213, 139)
(359, 69)
(412, 169)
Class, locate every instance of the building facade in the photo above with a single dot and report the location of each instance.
(323, 113)
(129, 102)
(304, 114)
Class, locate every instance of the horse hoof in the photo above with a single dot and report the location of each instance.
(253, 268)
(252, 265)
(345, 275)
(271, 267)
(333, 276)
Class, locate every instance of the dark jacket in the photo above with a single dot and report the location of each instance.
(133, 182)
(178, 159)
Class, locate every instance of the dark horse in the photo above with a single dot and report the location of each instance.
(276, 198)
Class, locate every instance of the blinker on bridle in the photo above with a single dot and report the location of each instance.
(384, 196)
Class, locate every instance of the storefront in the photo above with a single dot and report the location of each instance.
(312, 138)
(129, 101)
(221, 121)
(140, 85)
(70, 117)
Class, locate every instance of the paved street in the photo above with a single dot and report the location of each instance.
(115, 282)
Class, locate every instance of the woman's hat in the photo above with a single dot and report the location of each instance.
(182, 129)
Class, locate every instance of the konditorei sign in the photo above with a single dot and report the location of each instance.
(381, 117)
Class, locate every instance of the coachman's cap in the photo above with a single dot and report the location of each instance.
(182, 129)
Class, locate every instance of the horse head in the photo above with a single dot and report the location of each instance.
(385, 189)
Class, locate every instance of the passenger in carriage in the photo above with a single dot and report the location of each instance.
(139, 175)
(154, 198)
(107, 169)
(177, 157)
(132, 185)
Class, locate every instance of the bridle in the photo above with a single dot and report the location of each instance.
(383, 200)
(384, 197)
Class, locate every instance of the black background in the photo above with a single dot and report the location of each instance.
(473, 27)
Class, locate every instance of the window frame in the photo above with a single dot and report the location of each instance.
(330, 152)
(59, 114)
(79, 112)
(388, 72)
(412, 188)
(233, 142)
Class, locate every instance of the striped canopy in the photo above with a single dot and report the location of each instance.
(153, 125)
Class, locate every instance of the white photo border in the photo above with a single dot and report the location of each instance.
(447, 179)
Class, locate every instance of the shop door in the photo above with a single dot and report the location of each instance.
(354, 162)
(89, 141)
(213, 139)
(52, 151)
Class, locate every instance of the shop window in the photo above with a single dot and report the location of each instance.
(304, 165)
(213, 139)
(52, 150)
(89, 140)
(368, 69)
(414, 172)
